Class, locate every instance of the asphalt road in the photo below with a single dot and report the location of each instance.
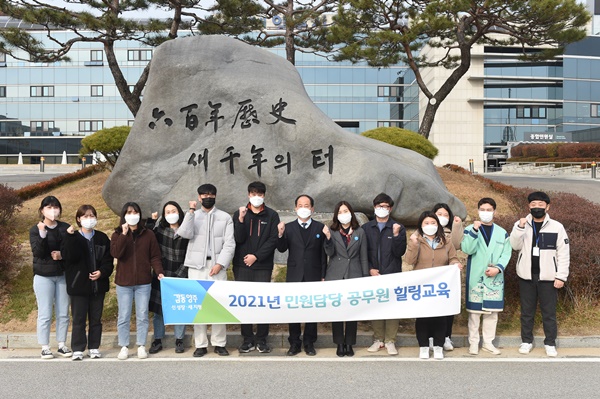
(586, 188)
(17, 181)
(347, 378)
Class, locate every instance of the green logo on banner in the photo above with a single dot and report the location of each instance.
(213, 312)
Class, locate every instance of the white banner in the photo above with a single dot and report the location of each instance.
(422, 293)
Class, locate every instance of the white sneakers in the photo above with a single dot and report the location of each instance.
(448, 345)
(391, 348)
(94, 354)
(525, 348)
(142, 354)
(123, 354)
(490, 348)
(77, 355)
(474, 349)
(376, 346)
(438, 352)
(551, 350)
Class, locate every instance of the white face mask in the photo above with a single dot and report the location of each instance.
(486, 216)
(303, 213)
(172, 218)
(132, 219)
(344, 218)
(89, 223)
(257, 201)
(51, 214)
(382, 212)
(430, 229)
(443, 221)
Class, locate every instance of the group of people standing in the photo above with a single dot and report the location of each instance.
(202, 242)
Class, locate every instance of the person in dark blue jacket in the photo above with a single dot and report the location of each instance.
(386, 244)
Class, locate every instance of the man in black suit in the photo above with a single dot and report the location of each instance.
(304, 240)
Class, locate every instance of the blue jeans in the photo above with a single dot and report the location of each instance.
(159, 328)
(51, 291)
(125, 298)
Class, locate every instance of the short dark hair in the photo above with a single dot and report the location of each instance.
(206, 189)
(128, 205)
(50, 200)
(82, 210)
(336, 225)
(538, 196)
(487, 200)
(163, 221)
(383, 198)
(312, 201)
(257, 187)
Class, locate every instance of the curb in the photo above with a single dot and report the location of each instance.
(279, 340)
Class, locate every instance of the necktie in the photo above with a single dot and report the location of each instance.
(304, 225)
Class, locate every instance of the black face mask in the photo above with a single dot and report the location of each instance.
(208, 202)
(538, 213)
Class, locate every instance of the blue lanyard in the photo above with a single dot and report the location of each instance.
(535, 234)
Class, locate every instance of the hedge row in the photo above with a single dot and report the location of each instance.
(10, 203)
(33, 190)
(579, 217)
(562, 151)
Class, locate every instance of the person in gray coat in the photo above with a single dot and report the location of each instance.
(209, 254)
(346, 247)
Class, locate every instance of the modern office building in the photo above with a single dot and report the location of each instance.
(46, 109)
(64, 101)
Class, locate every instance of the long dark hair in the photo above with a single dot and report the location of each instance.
(128, 205)
(163, 221)
(50, 200)
(440, 231)
(441, 205)
(336, 225)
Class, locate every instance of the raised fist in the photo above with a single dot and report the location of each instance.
(243, 211)
(327, 232)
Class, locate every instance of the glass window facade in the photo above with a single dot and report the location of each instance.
(42, 91)
(97, 91)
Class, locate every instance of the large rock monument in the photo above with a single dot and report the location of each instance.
(216, 110)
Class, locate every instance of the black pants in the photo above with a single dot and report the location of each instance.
(310, 333)
(244, 273)
(531, 292)
(449, 323)
(340, 336)
(82, 308)
(431, 327)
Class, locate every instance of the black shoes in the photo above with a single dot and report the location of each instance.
(344, 350)
(263, 347)
(294, 350)
(310, 350)
(348, 350)
(221, 351)
(246, 347)
(199, 352)
(156, 346)
(178, 346)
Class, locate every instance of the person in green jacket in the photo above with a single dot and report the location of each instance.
(488, 248)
